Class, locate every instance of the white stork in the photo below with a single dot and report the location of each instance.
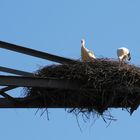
(86, 55)
(123, 54)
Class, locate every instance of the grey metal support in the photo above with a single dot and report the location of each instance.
(14, 71)
(39, 82)
(63, 103)
(35, 53)
(2, 93)
(7, 88)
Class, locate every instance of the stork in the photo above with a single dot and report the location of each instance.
(123, 54)
(86, 55)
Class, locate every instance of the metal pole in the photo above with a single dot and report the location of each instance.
(14, 71)
(63, 103)
(7, 88)
(39, 82)
(35, 53)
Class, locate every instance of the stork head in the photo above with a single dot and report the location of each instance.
(83, 42)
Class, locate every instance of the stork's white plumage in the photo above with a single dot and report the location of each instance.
(123, 54)
(86, 55)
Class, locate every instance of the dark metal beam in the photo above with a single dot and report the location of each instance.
(63, 103)
(38, 82)
(14, 71)
(2, 93)
(63, 100)
(8, 88)
(35, 53)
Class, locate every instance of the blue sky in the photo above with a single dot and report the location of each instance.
(57, 26)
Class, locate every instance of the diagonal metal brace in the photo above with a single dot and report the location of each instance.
(14, 71)
(35, 53)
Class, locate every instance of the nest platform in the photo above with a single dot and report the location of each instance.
(104, 84)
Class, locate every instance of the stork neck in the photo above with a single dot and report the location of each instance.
(83, 45)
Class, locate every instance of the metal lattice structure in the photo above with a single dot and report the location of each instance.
(27, 79)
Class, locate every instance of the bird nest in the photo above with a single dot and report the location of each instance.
(105, 83)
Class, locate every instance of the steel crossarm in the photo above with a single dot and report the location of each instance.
(14, 71)
(21, 81)
(35, 53)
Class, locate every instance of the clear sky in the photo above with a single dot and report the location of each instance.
(57, 26)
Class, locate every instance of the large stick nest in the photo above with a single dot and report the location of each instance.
(105, 84)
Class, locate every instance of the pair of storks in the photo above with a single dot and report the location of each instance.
(87, 55)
